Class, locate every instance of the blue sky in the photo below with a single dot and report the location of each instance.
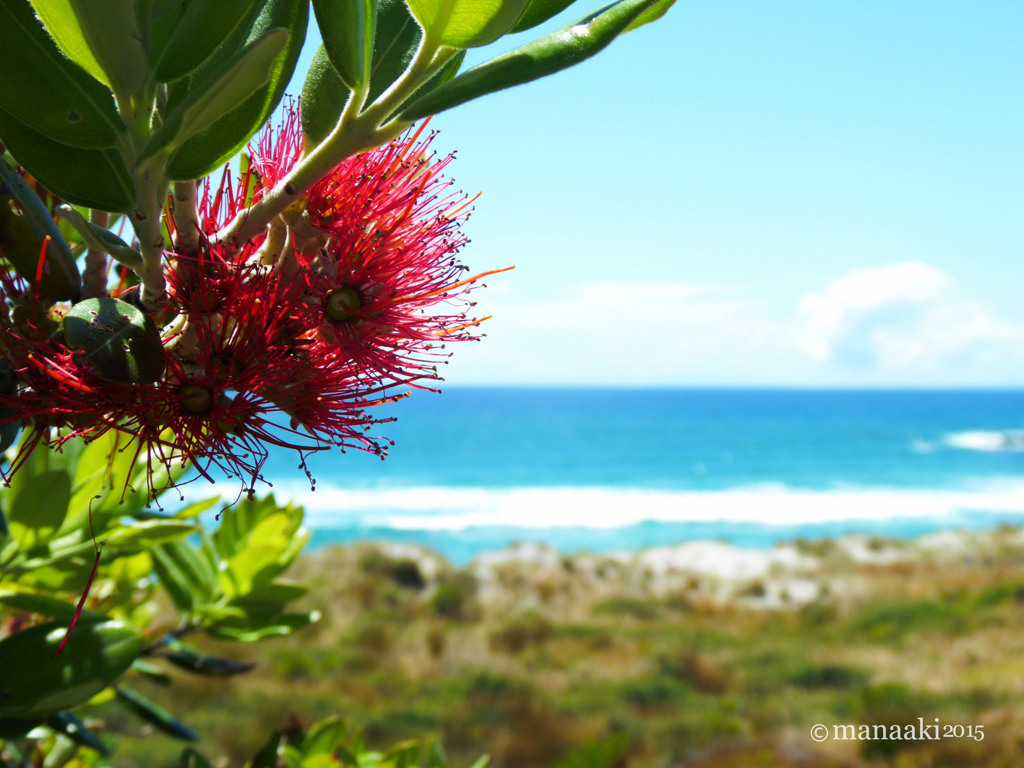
(751, 193)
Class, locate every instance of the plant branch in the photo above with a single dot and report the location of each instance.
(151, 190)
(354, 132)
(94, 280)
(186, 218)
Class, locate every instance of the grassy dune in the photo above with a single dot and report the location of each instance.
(544, 660)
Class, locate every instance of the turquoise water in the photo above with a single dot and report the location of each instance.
(477, 469)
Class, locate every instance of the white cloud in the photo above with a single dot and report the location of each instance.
(901, 316)
(626, 333)
(901, 324)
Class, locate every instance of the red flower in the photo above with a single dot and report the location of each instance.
(282, 341)
(385, 288)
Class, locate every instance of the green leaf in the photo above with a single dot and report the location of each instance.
(200, 26)
(76, 730)
(4, 536)
(437, 759)
(35, 683)
(196, 509)
(467, 23)
(347, 28)
(8, 429)
(25, 223)
(173, 579)
(324, 96)
(77, 110)
(653, 13)
(62, 24)
(268, 753)
(323, 737)
(149, 534)
(95, 178)
(100, 474)
(225, 90)
(395, 42)
(190, 758)
(193, 567)
(539, 11)
(214, 146)
(563, 48)
(446, 73)
(119, 339)
(252, 633)
(154, 715)
(188, 658)
(100, 238)
(39, 506)
(152, 672)
(101, 34)
(50, 607)
(187, 513)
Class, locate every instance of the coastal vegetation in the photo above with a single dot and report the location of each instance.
(541, 659)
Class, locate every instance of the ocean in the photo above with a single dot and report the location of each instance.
(477, 469)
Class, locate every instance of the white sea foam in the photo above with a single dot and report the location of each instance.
(986, 441)
(434, 508)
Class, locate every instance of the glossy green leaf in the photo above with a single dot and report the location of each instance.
(95, 178)
(149, 534)
(39, 506)
(155, 715)
(446, 73)
(69, 725)
(197, 508)
(193, 568)
(539, 11)
(199, 27)
(119, 339)
(324, 96)
(25, 223)
(240, 527)
(61, 22)
(252, 633)
(212, 147)
(35, 683)
(395, 42)
(101, 238)
(44, 605)
(346, 27)
(552, 53)
(152, 672)
(99, 33)
(99, 478)
(482, 762)
(9, 431)
(10, 426)
(173, 579)
(467, 23)
(275, 593)
(268, 753)
(225, 90)
(653, 13)
(77, 110)
(324, 737)
(438, 759)
(188, 658)
(190, 758)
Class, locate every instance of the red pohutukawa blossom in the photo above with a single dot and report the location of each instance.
(285, 340)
